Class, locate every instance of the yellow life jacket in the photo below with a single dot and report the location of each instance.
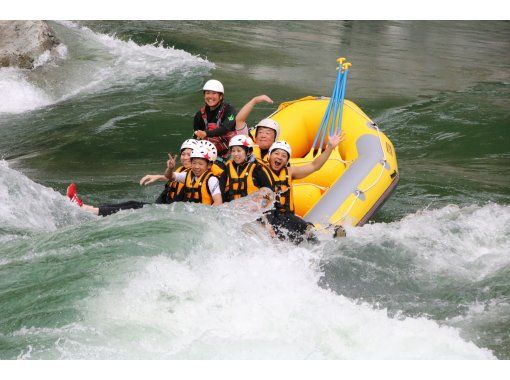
(282, 186)
(216, 170)
(174, 187)
(197, 192)
(257, 153)
(239, 185)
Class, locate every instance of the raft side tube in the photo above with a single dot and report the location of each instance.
(369, 156)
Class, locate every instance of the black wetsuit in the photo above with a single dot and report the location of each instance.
(286, 224)
(289, 226)
(108, 209)
(227, 124)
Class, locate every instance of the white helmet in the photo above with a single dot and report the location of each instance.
(208, 145)
(271, 124)
(213, 85)
(281, 144)
(203, 152)
(189, 144)
(241, 140)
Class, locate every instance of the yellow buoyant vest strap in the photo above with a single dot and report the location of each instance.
(175, 187)
(216, 170)
(198, 192)
(282, 186)
(257, 153)
(239, 185)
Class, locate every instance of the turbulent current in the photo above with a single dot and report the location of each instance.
(428, 278)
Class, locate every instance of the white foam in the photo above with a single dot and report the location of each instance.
(18, 94)
(215, 291)
(469, 243)
(121, 62)
(254, 301)
(27, 207)
(51, 56)
(92, 62)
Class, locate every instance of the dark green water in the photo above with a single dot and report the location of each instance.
(433, 270)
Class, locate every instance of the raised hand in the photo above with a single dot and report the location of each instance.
(262, 98)
(336, 139)
(200, 134)
(170, 164)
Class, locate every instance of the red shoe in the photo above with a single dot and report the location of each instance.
(73, 195)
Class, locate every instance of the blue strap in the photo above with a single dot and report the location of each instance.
(326, 120)
(342, 98)
(332, 119)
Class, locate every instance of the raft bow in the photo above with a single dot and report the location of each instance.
(360, 174)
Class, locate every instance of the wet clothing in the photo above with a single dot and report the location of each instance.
(172, 189)
(108, 209)
(281, 184)
(285, 223)
(241, 180)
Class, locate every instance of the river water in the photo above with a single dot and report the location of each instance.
(428, 278)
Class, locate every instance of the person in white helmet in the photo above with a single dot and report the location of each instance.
(200, 185)
(169, 194)
(282, 218)
(242, 175)
(172, 188)
(216, 119)
(266, 131)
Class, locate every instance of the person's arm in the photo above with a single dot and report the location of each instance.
(180, 177)
(217, 200)
(223, 183)
(198, 122)
(214, 187)
(245, 111)
(151, 178)
(298, 172)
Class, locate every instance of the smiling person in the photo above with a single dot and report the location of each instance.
(242, 176)
(200, 185)
(172, 188)
(266, 131)
(216, 120)
(169, 194)
(282, 218)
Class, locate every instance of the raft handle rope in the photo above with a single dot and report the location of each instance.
(341, 160)
(333, 120)
(323, 188)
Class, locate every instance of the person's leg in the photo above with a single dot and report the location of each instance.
(289, 226)
(102, 210)
(105, 210)
(91, 209)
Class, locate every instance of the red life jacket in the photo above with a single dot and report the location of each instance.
(221, 142)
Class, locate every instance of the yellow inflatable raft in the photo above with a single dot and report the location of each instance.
(358, 177)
